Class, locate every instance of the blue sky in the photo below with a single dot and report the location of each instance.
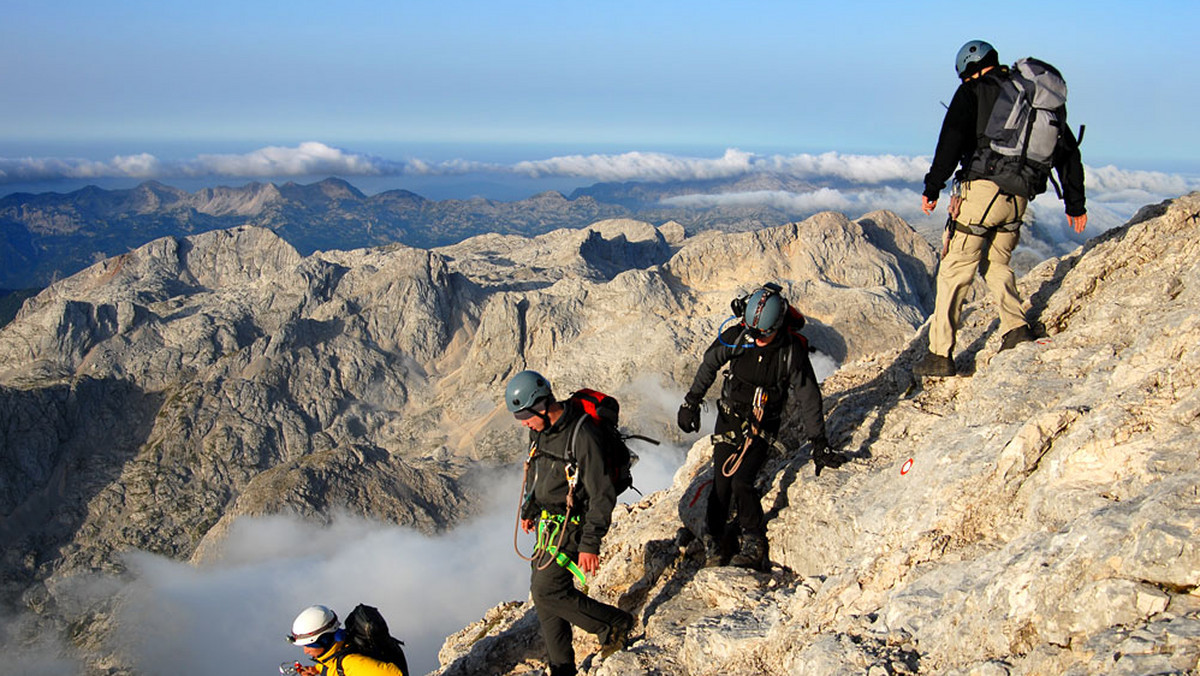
(527, 80)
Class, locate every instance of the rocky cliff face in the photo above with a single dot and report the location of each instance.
(1039, 516)
(153, 398)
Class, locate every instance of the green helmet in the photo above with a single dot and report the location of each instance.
(971, 57)
(526, 389)
(765, 311)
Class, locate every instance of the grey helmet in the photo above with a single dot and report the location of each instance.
(525, 390)
(765, 311)
(971, 54)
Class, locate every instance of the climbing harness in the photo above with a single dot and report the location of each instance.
(550, 539)
(760, 401)
(981, 230)
(552, 527)
(734, 436)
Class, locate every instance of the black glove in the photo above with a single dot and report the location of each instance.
(822, 457)
(689, 417)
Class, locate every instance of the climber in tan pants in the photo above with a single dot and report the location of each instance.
(985, 210)
(1006, 127)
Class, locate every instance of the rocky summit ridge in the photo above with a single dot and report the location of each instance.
(153, 398)
(1038, 517)
(1035, 515)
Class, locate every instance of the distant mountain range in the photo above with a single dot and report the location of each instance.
(49, 236)
(52, 235)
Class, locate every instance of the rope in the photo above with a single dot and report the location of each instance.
(760, 400)
(543, 546)
(521, 505)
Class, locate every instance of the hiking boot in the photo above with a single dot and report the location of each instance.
(712, 551)
(1021, 334)
(618, 637)
(935, 366)
(753, 553)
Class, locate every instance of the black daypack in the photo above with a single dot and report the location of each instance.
(605, 411)
(367, 634)
(1022, 129)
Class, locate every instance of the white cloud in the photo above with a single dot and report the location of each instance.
(143, 165)
(853, 202)
(307, 159)
(854, 168)
(1109, 182)
(637, 166)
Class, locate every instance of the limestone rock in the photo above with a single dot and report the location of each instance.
(153, 398)
(1038, 515)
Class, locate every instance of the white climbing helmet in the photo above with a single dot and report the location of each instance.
(311, 624)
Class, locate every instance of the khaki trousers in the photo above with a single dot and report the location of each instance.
(982, 204)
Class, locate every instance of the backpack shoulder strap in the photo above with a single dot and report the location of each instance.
(787, 358)
(338, 662)
(571, 457)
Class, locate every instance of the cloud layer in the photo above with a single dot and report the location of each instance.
(306, 159)
(636, 166)
(853, 184)
(315, 159)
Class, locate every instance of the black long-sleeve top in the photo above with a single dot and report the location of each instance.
(962, 132)
(784, 378)
(594, 496)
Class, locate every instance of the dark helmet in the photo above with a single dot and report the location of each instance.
(974, 56)
(525, 390)
(765, 311)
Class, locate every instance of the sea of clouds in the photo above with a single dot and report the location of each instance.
(314, 158)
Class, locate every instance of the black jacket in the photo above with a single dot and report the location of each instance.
(962, 132)
(782, 368)
(546, 479)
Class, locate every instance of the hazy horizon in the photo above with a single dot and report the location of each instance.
(504, 172)
(853, 184)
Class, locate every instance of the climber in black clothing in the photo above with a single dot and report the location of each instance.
(768, 364)
(569, 504)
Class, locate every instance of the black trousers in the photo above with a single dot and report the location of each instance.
(737, 491)
(559, 605)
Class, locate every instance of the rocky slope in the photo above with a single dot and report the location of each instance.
(148, 401)
(1038, 515)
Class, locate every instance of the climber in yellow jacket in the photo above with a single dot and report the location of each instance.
(317, 630)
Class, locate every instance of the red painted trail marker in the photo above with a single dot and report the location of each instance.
(906, 466)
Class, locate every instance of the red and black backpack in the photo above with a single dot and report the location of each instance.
(604, 410)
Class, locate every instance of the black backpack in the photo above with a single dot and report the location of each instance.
(367, 634)
(605, 411)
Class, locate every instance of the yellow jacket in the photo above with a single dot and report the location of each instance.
(354, 664)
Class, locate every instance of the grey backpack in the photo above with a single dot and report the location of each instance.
(1022, 129)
